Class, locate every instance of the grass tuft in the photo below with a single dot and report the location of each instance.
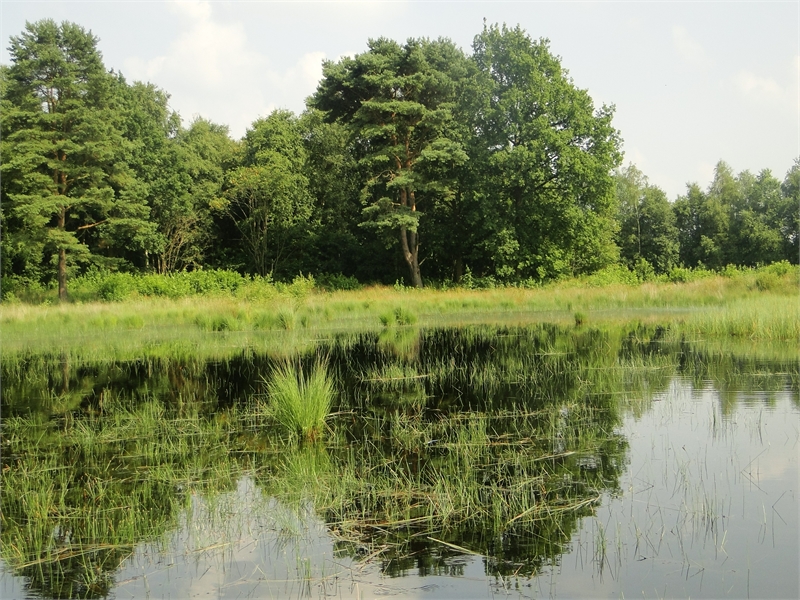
(301, 404)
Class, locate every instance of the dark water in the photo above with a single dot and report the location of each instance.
(458, 463)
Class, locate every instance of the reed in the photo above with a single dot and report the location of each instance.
(301, 404)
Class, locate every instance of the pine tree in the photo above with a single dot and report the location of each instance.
(68, 190)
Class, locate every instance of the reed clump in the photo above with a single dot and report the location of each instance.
(301, 404)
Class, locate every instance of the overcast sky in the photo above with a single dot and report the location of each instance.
(693, 82)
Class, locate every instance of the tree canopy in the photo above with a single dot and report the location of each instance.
(68, 188)
(397, 102)
(412, 158)
(545, 157)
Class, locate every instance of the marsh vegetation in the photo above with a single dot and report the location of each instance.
(500, 449)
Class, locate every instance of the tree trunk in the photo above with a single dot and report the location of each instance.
(62, 274)
(62, 260)
(458, 270)
(408, 240)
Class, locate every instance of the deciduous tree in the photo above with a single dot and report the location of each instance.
(647, 222)
(548, 192)
(268, 196)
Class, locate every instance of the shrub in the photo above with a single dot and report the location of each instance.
(685, 275)
(766, 281)
(300, 287)
(470, 282)
(780, 268)
(644, 270)
(114, 286)
(611, 275)
(336, 282)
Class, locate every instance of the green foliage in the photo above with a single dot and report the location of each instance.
(685, 275)
(397, 101)
(647, 224)
(493, 170)
(543, 155)
(300, 288)
(69, 191)
(333, 282)
(615, 274)
(470, 282)
(120, 286)
(644, 270)
(268, 197)
(301, 404)
(743, 220)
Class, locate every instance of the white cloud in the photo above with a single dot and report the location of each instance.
(769, 91)
(690, 50)
(211, 70)
(634, 23)
(763, 87)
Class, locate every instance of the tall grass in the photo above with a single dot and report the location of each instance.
(301, 404)
(758, 304)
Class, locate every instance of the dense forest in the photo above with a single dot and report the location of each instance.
(412, 161)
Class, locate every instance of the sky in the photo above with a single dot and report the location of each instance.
(693, 83)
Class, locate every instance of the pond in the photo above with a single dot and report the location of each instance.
(536, 461)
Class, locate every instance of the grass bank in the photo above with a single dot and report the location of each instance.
(758, 305)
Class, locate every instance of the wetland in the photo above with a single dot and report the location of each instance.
(607, 458)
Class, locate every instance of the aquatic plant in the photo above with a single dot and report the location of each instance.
(301, 404)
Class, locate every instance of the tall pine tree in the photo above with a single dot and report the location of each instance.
(69, 193)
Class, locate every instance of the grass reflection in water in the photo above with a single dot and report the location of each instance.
(495, 441)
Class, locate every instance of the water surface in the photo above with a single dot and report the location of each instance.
(535, 462)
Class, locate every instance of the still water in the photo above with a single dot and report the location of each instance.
(471, 463)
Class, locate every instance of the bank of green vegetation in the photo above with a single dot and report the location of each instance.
(216, 312)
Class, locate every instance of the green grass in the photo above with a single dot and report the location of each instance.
(301, 404)
(759, 304)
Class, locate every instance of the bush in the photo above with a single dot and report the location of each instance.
(644, 270)
(108, 286)
(167, 286)
(470, 282)
(781, 268)
(300, 287)
(732, 271)
(766, 281)
(685, 275)
(610, 275)
(337, 282)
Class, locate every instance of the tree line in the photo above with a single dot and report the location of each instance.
(411, 161)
